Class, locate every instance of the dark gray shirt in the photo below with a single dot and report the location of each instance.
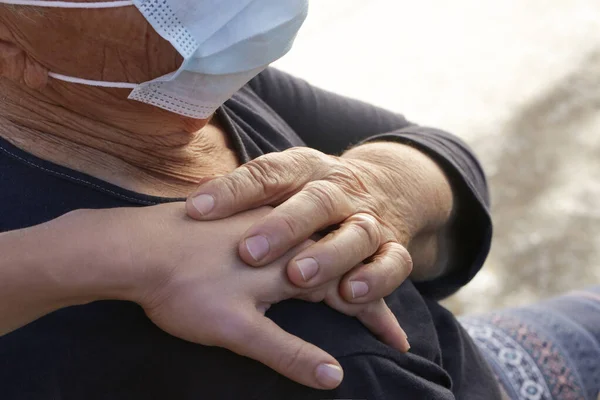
(110, 350)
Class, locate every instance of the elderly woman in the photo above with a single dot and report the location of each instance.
(112, 288)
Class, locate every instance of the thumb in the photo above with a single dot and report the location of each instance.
(189, 206)
(266, 342)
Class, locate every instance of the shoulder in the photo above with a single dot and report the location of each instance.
(372, 369)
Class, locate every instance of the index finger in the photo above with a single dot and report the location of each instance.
(319, 205)
(266, 180)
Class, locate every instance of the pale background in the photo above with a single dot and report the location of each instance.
(519, 80)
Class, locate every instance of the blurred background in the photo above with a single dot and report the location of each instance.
(517, 80)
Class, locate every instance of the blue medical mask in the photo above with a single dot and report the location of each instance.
(224, 44)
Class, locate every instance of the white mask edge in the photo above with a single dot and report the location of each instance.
(70, 4)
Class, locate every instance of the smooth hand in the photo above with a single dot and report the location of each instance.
(194, 286)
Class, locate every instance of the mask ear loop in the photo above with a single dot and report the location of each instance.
(88, 82)
(70, 4)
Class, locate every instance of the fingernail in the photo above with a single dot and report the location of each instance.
(258, 247)
(359, 289)
(203, 203)
(329, 375)
(308, 268)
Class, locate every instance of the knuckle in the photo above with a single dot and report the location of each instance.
(356, 188)
(368, 228)
(347, 177)
(401, 257)
(342, 173)
(305, 154)
(324, 195)
(338, 251)
(299, 151)
(228, 186)
(381, 280)
(390, 267)
(262, 172)
(301, 163)
(289, 226)
(291, 361)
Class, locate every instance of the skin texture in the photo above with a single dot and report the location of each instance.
(153, 256)
(385, 198)
(390, 203)
(142, 148)
(97, 130)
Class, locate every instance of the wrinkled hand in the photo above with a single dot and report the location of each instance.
(195, 287)
(311, 192)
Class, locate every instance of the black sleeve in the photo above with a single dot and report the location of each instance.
(382, 378)
(332, 123)
(370, 377)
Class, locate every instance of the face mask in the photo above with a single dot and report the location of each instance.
(224, 44)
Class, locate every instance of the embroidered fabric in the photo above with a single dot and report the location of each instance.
(550, 351)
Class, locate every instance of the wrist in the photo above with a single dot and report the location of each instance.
(90, 257)
(74, 259)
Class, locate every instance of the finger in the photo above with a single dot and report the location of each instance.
(388, 268)
(358, 238)
(265, 180)
(375, 316)
(380, 320)
(318, 205)
(266, 342)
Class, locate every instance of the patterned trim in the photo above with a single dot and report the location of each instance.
(515, 369)
(529, 365)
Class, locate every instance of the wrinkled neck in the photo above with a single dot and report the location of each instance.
(101, 133)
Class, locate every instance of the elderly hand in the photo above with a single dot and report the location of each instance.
(374, 200)
(312, 192)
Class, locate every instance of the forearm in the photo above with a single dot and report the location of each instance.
(410, 180)
(55, 265)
